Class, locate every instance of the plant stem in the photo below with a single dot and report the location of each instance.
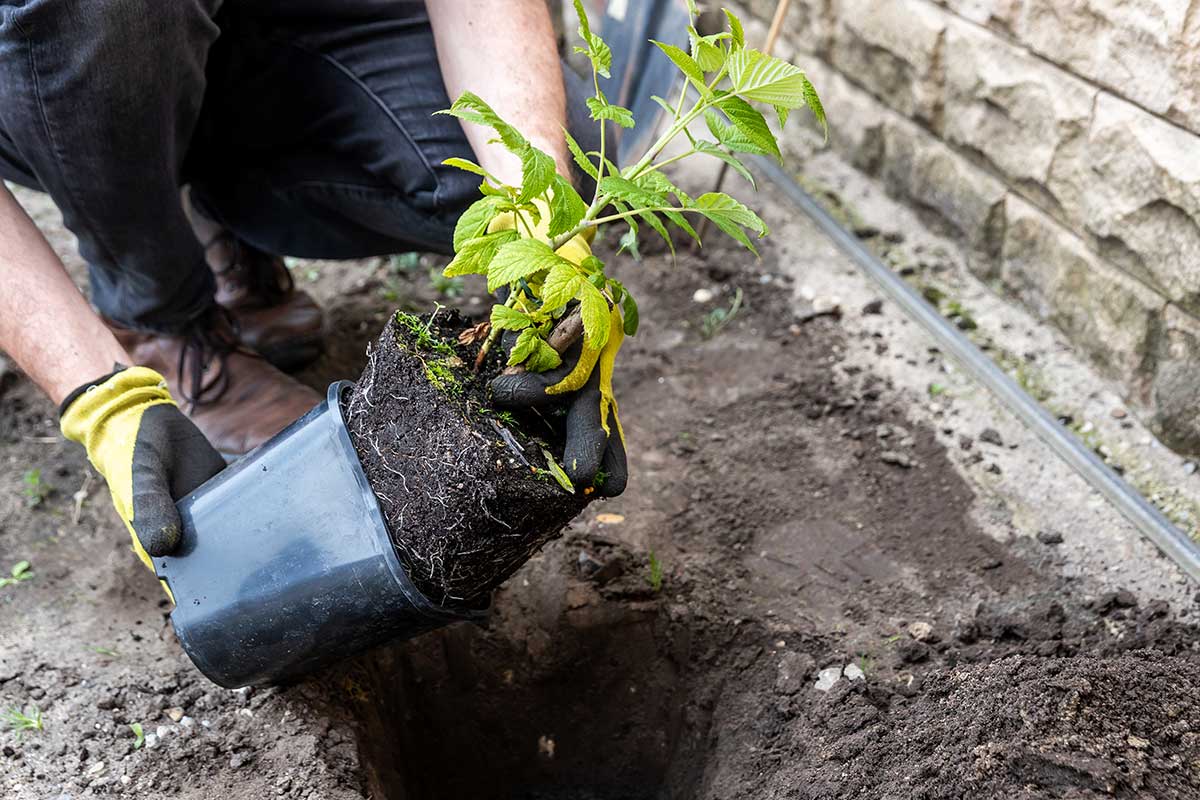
(494, 333)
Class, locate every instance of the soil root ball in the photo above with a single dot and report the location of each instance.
(465, 491)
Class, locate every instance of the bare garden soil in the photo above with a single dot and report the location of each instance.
(799, 523)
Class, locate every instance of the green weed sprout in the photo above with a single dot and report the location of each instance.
(35, 489)
(22, 721)
(139, 737)
(718, 318)
(543, 287)
(655, 578)
(19, 573)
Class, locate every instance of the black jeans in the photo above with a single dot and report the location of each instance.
(304, 126)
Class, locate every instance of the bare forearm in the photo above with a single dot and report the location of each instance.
(45, 323)
(504, 51)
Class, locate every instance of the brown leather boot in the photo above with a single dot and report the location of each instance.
(234, 396)
(273, 317)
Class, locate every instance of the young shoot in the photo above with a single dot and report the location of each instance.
(552, 300)
(22, 721)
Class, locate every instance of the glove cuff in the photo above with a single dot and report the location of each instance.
(84, 411)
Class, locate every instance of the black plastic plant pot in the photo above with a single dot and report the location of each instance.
(286, 564)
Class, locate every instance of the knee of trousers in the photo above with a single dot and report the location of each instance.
(128, 40)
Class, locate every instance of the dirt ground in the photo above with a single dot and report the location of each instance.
(828, 617)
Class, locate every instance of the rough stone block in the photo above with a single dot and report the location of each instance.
(1108, 314)
(892, 48)
(1145, 50)
(998, 14)
(970, 202)
(1013, 108)
(1134, 183)
(1176, 387)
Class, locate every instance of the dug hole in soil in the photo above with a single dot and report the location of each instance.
(794, 550)
(794, 545)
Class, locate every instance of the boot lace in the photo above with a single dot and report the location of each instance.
(208, 341)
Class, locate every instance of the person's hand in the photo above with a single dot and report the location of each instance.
(594, 457)
(149, 453)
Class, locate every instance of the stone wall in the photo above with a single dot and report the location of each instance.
(1057, 140)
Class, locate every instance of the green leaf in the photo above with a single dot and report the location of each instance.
(687, 65)
(139, 738)
(592, 266)
(655, 181)
(566, 207)
(465, 164)
(730, 216)
(520, 259)
(593, 306)
(663, 104)
(628, 243)
(719, 203)
(585, 26)
(474, 220)
(708, 55)
(601, 110)
(757, 76)
(472, 108)
(543, 357)
(627, 191)
(751, 124)
(681, 222)
(629, 309)
(537, 171)
(656, 224)
(582, 160)
(730, 136)
(557, 472)
(475, 255)
(597, 51)
(782, 113)
(813, 101)
(523, 347)
(560, 286)
(20, 569)
(735, 29)
(509, 319)
(708, 148)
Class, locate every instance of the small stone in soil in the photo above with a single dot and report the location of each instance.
(873, 307)
(1189, 467)
(702, 296)
(827, 678)
(898, 459)
(854, 672)
(991, 436)
(921, 631)
(1049, 537)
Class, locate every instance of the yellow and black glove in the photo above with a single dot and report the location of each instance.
(147, 450)
(595, 442)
